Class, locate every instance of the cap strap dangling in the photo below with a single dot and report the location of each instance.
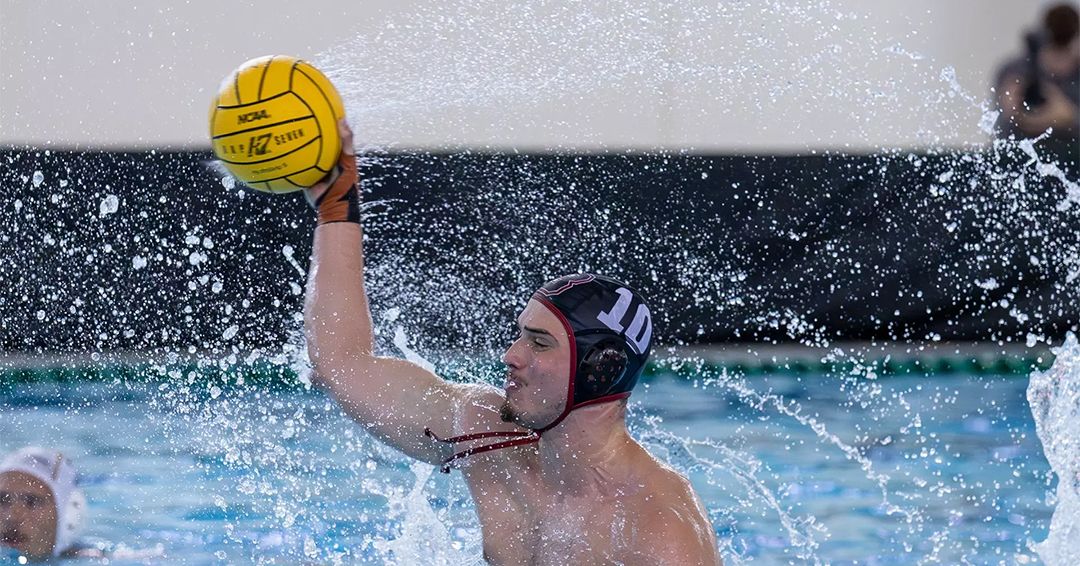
(519, 438)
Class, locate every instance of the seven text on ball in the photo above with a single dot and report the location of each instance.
(289, 136)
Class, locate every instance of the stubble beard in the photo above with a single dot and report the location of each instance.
(507, 412)
(510, 414)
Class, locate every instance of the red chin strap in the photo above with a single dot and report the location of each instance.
(570, 406)
(520, 437)
(573, 363)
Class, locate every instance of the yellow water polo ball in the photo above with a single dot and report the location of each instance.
(273, 124)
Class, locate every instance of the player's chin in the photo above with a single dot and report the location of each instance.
(507, 412)
(510, 412)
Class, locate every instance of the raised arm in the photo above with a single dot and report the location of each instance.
(394, 399)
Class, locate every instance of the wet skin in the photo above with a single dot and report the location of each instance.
(586, 493)
(27, 515)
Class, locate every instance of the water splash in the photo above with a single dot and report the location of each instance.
(423, 538)
(610, 51)
(786, 63)
(724, 462)
(577, 63)
(1054, 396)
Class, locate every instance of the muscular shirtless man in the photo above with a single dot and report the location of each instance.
(556, 477)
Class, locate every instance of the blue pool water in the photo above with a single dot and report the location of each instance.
(794, 470)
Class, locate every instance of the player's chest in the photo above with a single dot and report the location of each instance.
(564, 530)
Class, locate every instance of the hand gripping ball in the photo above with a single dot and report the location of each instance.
(273, 124)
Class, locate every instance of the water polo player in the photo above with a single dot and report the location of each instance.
(555, 475)
(41, 505)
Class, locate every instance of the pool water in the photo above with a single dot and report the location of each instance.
(826, 469)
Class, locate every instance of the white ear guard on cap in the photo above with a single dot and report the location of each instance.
(56, 472)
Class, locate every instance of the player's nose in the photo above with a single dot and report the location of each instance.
(515, 355)
(10, 516)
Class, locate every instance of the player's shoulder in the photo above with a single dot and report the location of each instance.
(672, 518)
(663, 484)
(658, 491)
(670, 496)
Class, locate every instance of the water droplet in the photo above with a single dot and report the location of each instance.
(39, 178)
(989, 121)
(109, 205)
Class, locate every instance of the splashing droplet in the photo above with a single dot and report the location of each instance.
(109, 205)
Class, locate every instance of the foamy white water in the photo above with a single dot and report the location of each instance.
(1054, 396)
(912, 492)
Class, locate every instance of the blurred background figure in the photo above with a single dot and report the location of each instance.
(41, 506)
(1041, 88)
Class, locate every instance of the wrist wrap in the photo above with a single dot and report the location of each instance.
(341, 202)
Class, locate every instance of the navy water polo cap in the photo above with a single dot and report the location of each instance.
(610, 330)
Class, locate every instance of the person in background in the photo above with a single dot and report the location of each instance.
(42, 508)
(1041, 90)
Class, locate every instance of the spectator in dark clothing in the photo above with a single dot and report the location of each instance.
(1041, 90)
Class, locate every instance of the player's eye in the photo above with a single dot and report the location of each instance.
(6, 499)
(31, 501)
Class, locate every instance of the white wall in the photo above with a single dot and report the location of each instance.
(727, 75)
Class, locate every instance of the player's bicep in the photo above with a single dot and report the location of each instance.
(396, 400)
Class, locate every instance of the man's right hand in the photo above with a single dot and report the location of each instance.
(337, 197)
